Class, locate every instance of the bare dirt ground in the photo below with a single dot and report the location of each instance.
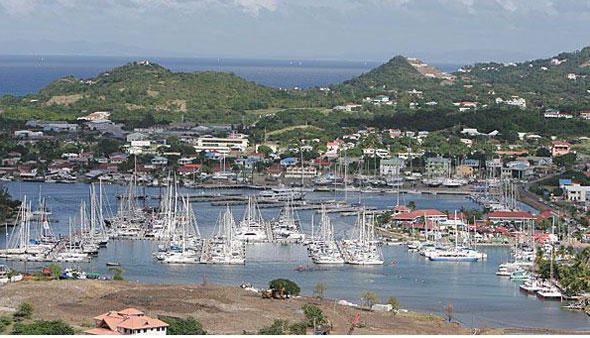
(221, 309)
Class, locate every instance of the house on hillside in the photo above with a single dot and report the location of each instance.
(560, 148)
(129, 321)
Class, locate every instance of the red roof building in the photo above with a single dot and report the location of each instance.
(416, 215)
(509, 216)
(127, 321)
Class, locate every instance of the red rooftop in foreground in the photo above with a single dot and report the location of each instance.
(129, 321)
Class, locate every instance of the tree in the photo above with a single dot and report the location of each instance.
(117, 273)
(370, 299)
(412, 205)
(289, 286)
(55, 271)
(313, 315)
(106, 146)
(25, 310)
(43, 327)
(180, 326)
(319, 289)
(394, 303)
(264, 149)
(543, 152)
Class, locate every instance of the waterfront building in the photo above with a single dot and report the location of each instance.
(129, 321)
(420, 215)
(301, 172)
(437, 166)
(219, 144)
(391, 166)
(510, 217)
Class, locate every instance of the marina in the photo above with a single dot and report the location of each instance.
(418, 283)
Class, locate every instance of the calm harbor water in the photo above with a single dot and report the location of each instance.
(479, 297)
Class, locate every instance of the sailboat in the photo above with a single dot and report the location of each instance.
(285, 228)
(185, 244)
(363, 248)
(252, 227)
(223, 247)
(323, 249)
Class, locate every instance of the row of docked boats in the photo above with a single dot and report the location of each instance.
(362, 248)
(433, 247)
(32, 240)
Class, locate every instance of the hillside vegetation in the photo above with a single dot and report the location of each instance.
(133, 90)
(423, 98)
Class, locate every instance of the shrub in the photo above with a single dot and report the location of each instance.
(319, 289)
(278, 327)
(25, 310)
(370, 298)
(289, 286)
(299, 328)
(5, 320)
(394, 303)
(187, 326)
(43, 327)
(55, 271)
(313, 315)
(117, 273)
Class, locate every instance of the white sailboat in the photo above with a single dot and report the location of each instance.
(363, 248)
(252, 228)
(223, 247)
(285, 228)
(322, 248)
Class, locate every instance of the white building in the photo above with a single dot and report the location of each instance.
(576, 192)
(391, 167)
(222, 145)
(301, 172)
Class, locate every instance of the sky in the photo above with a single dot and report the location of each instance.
(451, 31)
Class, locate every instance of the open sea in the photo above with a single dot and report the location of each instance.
(479, 297)
(21, 75)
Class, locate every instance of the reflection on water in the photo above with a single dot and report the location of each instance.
(478, 296)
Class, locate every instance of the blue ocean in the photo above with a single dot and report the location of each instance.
(21, 75)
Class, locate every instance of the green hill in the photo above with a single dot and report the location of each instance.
(424, 97)
(543, 82)
(134, 90)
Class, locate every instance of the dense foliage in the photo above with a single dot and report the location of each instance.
(180, 326)
(7, 205)
(43, 327)
(288, 285)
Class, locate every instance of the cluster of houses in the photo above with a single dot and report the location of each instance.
(224, 152)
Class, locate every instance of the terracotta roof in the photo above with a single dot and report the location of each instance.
(131, 311)
(113, 321)
(418, 213)
(561, 143)
(141, 322)
(510, 214)
(401, 208)
(99, 331)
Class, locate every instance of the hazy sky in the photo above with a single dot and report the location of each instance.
(375, 30)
